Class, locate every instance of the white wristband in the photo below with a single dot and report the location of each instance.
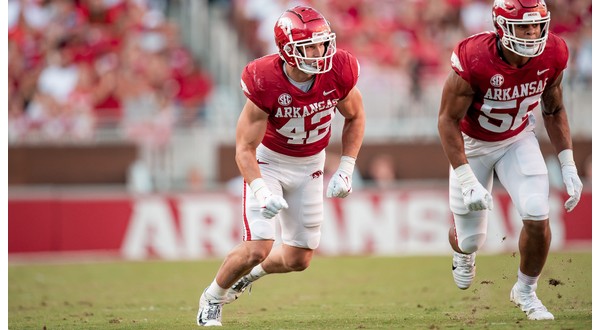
(465, 175)
(259, 189)
(347, 164)
(565, 157)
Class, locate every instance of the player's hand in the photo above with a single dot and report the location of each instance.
(340, 185)
(570, 178)
(271, 205)
(476, 197)
(573, 185)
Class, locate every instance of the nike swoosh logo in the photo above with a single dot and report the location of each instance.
(258, 161)
(454, 267)
(328, 92)
(541, 71)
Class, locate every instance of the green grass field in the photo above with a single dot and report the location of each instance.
(334, 293)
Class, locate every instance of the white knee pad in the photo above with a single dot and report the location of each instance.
(472, 243)
(471, 230)
(523, 173)
(536, 207)
(262, 229)
(309, 238)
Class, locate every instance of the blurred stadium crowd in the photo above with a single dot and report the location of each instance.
(413, 38)
(77, 66)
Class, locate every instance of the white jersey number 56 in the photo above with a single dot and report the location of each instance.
(507, 121)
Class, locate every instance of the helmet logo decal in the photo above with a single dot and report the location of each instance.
(285, 23)
(497, 80)
(284, 99)
(500, 3)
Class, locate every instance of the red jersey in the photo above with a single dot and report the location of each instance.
(299, 122)
(504, 95)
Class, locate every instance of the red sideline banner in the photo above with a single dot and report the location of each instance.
(205, 225)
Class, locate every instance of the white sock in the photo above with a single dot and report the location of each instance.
(256, 273)
(215, 290)
(526, 279)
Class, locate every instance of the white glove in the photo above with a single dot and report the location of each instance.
(570, 178)
(340, 184)
(270, 204)
(475, 196)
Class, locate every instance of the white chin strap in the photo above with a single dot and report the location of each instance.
(526, 50)
(312, 68)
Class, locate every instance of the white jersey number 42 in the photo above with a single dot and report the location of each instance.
(295, 128)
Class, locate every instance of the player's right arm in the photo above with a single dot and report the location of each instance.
(250, 130)
(457, 96)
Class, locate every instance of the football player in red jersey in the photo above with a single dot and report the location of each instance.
(486, 125)
(282, 131)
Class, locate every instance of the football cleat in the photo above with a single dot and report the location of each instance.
(524, 297)
(463, 269)
(238, 288)
(209, 311)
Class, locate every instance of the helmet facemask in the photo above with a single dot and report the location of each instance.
(522, 46)
(312, 65)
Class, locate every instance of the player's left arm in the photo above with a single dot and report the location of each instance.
(557, 126)
(555, 116)
(351, 107)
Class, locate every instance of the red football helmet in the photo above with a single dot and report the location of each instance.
(298, 28)
(509, 13)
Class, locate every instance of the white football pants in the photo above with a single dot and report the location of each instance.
(300, 181)
(520, 168)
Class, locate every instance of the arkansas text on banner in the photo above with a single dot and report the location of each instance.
(206, 225)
